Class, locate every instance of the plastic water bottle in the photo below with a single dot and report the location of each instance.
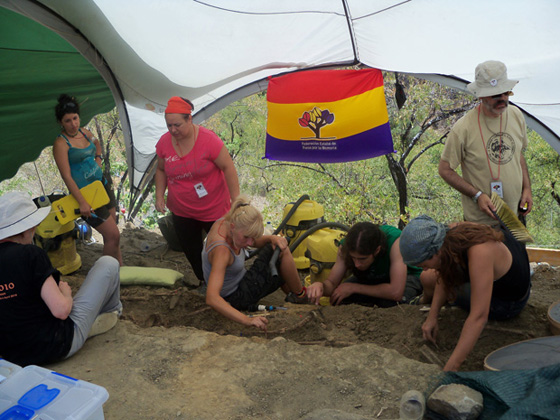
(413, 405)
(44, 201)
(268, 229)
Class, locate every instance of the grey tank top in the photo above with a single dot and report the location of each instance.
(234, 272)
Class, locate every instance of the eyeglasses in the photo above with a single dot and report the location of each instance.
(499, 96)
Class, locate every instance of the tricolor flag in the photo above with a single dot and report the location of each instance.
(327, 116)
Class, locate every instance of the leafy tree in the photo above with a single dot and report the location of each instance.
(381, 190)
(417, 125)
(544, 169)
(108, 130)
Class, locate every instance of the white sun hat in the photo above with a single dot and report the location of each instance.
(18, 213)
(490, 78)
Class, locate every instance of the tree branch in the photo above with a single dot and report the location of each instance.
(422, 151)
(430, 122)
(323, 171)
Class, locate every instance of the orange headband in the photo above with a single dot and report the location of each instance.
(177, 105)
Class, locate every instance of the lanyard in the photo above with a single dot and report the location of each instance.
(486, 150)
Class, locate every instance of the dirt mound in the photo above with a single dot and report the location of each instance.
(168, 333)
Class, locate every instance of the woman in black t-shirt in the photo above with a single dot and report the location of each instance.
(40, 321)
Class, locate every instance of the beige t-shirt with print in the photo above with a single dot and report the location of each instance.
(488, 158)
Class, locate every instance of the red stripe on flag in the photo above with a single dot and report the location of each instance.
(322, 85)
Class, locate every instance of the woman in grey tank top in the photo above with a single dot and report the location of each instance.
(230, 287)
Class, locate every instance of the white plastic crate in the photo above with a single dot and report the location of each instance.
(41, 394)
(7, 369)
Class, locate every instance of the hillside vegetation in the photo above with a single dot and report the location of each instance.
(389, 189)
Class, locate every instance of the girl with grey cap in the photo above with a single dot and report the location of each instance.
(484, 270)
(40, 321)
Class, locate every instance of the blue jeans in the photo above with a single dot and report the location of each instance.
(499, 309)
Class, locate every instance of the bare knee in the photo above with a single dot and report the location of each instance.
(110, 232)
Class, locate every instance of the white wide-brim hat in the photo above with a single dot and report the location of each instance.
(19, 213)
(490, 78)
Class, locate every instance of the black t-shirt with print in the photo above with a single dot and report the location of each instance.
(29, 333)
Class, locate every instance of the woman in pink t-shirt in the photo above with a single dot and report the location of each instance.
(201, 181)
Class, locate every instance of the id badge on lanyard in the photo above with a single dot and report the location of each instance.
(498, 188)
(200, 190)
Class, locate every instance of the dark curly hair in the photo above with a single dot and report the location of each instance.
(66, 105)
(363, 238)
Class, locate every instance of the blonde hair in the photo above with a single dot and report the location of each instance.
(245, 217)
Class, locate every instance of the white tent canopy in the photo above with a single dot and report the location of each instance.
(218, 51)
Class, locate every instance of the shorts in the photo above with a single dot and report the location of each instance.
(412, 289)
(103, 212)
(256, 283)
(499, 309)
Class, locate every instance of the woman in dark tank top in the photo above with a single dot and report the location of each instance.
(484, 270)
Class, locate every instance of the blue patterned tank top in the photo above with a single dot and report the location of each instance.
(83, 167)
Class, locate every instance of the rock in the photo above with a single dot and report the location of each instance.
(173, 301)
(456, 402)
(191, 282)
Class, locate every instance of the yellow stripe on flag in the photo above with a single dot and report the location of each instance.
(352, 116)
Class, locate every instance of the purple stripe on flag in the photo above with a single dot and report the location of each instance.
(369, 144)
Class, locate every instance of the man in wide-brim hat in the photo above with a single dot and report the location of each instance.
(40, 321)
(488, 143)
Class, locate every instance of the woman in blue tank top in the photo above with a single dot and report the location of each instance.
(78, 157)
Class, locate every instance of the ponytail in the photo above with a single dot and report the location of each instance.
(245, 217)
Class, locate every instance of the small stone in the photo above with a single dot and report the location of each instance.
(173, 301)
(191, 282)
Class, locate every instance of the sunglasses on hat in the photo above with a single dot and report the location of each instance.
(499, 96)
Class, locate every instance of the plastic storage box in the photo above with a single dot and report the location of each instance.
(41, 394)
(7, 369)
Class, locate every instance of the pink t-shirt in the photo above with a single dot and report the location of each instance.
(196, 187)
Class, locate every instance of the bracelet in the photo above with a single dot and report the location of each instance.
(99, 156)
(476, 196)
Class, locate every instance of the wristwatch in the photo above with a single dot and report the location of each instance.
(476, 196)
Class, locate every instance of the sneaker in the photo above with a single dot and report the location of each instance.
(416, 300)
(103, 323)
(293, 298)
